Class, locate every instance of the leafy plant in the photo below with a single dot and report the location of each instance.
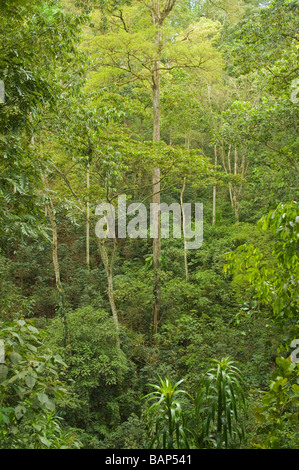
(166, 419)
(274, 281)
(220, 396)
(30, 387)
(97, 369)
(278, 415)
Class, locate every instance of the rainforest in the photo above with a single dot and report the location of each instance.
(149, 225)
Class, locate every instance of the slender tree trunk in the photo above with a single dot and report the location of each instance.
(156, 186)
(184, 230)
(159, 14)
(87, 221)
(108, 265)
(49, 210)
(187, 147)
(214, 189)
(234, 169)
(236, 199)
(230, 171)
(51, 213)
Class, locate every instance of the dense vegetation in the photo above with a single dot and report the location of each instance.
(138, 343)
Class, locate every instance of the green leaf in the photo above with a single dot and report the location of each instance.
(20, 411)
(42, 397)
(44, 441)
(30, 381)
(3, 371)
(15, 357)
(50, 405)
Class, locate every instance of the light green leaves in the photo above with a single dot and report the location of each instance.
(15, 357)
(219, 399)
(20, 411)
(45, 401)
(278, 413)
(166, 419)
(274, 280)
(30, 381)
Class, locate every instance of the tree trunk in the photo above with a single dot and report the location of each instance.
(156, 186)
(236, 199)
(108, 265)
(229, 184)
(49, 210)
(159, 14)
(87, 222)
(51, 213)
(214, 189)
(184, 230)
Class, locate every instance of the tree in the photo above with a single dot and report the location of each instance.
(144, 51)
(113, 158)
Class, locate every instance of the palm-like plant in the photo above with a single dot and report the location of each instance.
(219, 398)
(166, 419)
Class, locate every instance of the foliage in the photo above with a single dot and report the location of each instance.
(96, 368)
(166, 420)
(76, 128)
(131, 434)
(32, 76)
(274, 283)
(278, 413)
(30, 386)
(219, 398)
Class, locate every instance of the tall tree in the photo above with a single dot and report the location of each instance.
(140, 43)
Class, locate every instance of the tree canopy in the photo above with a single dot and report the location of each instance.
(149, 223)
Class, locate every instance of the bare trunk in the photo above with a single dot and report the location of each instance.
(108, 265)
(229, 184)
(159, 14)
(228, 171)
(235, 169)
(156, 188)
(113, 307)
(236, 190)
(49, 210)
(187, 147)
(214, 189)
(184, 230)
(157, 252)
(236, 210)
(156, 108)
(87, 222)
(51, 213)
